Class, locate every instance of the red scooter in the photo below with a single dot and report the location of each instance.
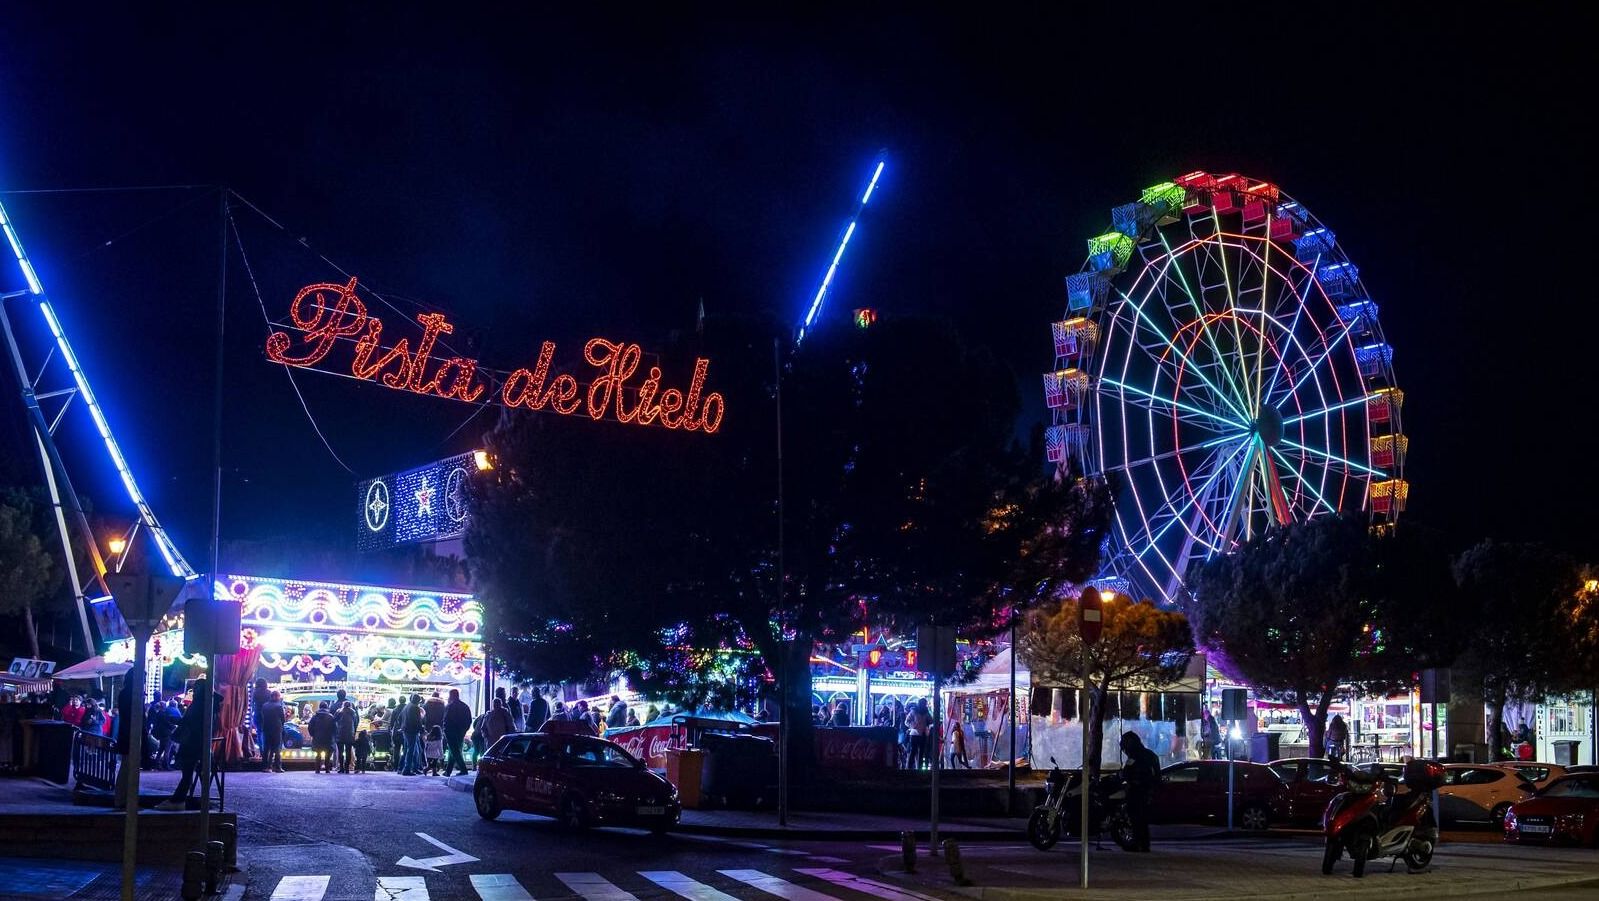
(1372, 824)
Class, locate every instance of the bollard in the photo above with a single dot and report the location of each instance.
(957, 870)
(230, 846)
(193, 875)
(907, 850)
(213, 867)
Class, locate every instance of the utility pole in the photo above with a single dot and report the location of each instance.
(785, 652)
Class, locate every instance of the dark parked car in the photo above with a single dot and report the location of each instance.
(579, 779)
(1196, 792)
(1565, 810)
(1311, 782)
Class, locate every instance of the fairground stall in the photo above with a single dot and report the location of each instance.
(309, 639)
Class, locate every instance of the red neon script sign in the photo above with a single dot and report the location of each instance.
(324, 314)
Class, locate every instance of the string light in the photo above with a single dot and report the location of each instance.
(326, 313)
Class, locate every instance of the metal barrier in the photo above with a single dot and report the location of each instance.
(94, 761)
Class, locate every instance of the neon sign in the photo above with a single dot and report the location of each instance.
(325, 314)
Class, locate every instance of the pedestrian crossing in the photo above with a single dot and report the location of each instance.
(802, 884)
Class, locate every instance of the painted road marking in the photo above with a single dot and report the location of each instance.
(594, 887)
(867, 886)
(822, 858)
(401, 888)
(499, 887)
(676, 882)
(301, 888)
(772, 885)
(451, 856)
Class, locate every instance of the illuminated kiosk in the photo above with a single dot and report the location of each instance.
(376, 643)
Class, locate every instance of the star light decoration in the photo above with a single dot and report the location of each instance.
(424, 498)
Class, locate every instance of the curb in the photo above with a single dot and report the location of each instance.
(844, 835)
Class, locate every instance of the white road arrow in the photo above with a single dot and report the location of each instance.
(432, 864)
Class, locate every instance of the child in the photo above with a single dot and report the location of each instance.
(433, 750)
(363, 750)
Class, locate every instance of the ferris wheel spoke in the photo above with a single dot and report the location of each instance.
(1299, 309)
(1143, 319)
(1232, 296)
(1174, 516)
(1299, 476)
(1324, 411)
(1173, 404)
(1346, 463)
(1199, 313)
(1316, 364)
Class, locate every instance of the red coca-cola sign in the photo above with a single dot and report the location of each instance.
(856, 748)
(648, 744)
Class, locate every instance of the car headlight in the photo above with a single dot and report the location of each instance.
(1571, 822)
(1510, 819)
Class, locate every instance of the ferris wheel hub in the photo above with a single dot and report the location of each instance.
(1269, 426)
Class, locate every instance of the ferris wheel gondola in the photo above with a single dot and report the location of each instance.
(1222, 364)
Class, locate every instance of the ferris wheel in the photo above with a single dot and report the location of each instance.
(1222, 365)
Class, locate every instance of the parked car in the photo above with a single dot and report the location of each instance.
(1539, 774)
(1196, 792)
(1565, 810)
(1479, 792)
(1311, 783)
(579, 779)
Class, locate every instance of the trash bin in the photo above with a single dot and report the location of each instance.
(738, 768)
(47, 749)
(1263, 746)
(683, 769)
(1566, 752)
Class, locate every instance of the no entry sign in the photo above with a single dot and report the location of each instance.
(1090, 615)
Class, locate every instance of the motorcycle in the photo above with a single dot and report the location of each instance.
(1062, 809)
(1372, 824)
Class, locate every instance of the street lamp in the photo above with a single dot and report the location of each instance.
(117, 545)
(481, 460)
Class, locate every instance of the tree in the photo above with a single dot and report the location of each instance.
(1307, 608)
(1140, 644)
(1522, 603)
(25, 568)
(907, 499)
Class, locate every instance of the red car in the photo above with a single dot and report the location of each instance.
(1312, 782)
(1196, 792)
(579, 779)
(1564, 811)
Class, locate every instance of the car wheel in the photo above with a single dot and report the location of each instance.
(1254, 818)
(487, 800)
(572, 815)
(1498, 815)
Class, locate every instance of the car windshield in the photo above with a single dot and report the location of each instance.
(596, 753)
(1573, 788)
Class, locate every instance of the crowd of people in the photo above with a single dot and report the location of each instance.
(920, 738)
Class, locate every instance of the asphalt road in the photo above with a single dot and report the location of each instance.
(306, 837)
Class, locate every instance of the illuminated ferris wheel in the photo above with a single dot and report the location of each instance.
(1223, 365)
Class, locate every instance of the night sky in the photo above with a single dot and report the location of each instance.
(545, 178)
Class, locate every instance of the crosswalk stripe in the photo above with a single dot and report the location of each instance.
(772, 885)
(301, 888)
(822, 858)
(676, 882)
(401, 888)
(594, 887)
(867, 886)
(499, 887)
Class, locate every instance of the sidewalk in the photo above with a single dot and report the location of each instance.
(1239, 869)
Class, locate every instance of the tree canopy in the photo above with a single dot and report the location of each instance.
(26, 576)
(1140, 645)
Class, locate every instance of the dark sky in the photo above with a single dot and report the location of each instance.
(540, 177)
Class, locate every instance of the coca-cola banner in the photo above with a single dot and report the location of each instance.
(647, 743)
(856, 747)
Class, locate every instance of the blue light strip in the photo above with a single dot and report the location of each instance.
(1334, 457)
(1181, 406)
(849, 231)
(169, 551)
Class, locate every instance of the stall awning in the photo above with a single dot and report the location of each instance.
(93, 668)
(1193, 679)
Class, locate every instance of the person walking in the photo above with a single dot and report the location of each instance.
(616, 714)
(917, 723)
(411, 734)
(396, 736)
(513, 705)
(322, 726)
(259, 696)
(1211, 730)
(1142, 774)
(457, 719)
(433, 712)
(957, 745)
(537, 712)
(1337, 738)
(190, 735)
(271, 732)
(345, 734)
(496, 722)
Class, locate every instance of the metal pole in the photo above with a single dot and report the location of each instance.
(1084, 711)
(207, 715)
(785, 652)
(937, 740)
(1010, 767)
(1228, 744)
(131, 762)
